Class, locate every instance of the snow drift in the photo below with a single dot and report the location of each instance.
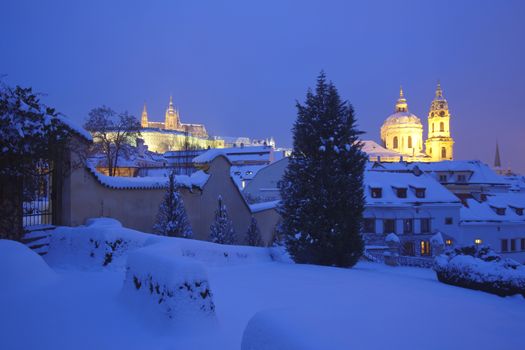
(170, 287)
(20, 267)
(480, 269)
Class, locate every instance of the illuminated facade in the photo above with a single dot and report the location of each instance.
(439, 145)
(172, 134)
(402, 131)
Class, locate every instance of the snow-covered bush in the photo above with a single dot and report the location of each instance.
(103, 243)
(167, 286)
(22, 268)
(480, 268)
(172, 219)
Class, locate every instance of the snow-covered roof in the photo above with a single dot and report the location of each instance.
(481, 173)
(237, 154)
(389, 182)
(373, 149)
(75, 127)
(263, 206)
(197, 179)
(476, 211)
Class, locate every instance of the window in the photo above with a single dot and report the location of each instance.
(512, 245)
(430, 151)
(410, 142)
(523, 244)
(425, 225)
(401, 192)
(432, 127)
(500, 211)
(395, 142)
(442, 178)
(369, 225)
(519, 211)
(389, 226)
(408, 226)
(504, 245)
(449, 221)
(462, 178)
(478, 241)
(377, 192)
(448, 242)
(425, 248)
(443, 152)
(441, 127)
(420, 192)
(407, 249)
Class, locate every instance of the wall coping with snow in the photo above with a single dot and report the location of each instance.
(195, 180)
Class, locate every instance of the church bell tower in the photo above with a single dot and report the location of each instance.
(144, 118)
(172, 121)
(439, 144)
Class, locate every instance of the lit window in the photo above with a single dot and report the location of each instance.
(425, 248)
(478, 241)
(376, 192)
(448, 242)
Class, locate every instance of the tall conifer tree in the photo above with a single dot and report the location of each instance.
(322, 188)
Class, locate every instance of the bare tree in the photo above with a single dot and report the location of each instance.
(111, 132)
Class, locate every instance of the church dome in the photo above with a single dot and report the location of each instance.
(402, 131)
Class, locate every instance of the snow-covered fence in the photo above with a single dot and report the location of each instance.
(415, 261)
(171, 288)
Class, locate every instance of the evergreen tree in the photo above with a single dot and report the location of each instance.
(322, 188)
(172, 219)
(254, 234)
(222, 231)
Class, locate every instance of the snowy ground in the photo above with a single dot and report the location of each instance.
(362, 308)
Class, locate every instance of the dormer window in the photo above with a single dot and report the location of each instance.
(420, 192)
(442, 178)
(499, 211)
(376, 192)
(401, 192)
(462, 178)
(519, 211)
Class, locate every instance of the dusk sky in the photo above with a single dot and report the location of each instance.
(239, 66)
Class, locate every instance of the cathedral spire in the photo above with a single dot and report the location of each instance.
(144, 117)
(497, 159)
(401, 104)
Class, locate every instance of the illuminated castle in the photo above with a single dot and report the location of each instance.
(172, 134)
(402, 131)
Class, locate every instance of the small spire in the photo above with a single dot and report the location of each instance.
(439, 92)
(401, 95)
(144, 111)
(497, 159)
(171, 101)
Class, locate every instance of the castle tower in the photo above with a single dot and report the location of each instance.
(439, 145)
(172, 117)
(144, 118)
(402, 131)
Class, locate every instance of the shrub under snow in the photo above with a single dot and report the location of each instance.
(103, 242)
(20, 267)
(480, 269)
(166, 285)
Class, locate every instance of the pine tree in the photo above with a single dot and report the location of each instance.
(322, 188)
(222, 231)
(172, 219)
(254, 234)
